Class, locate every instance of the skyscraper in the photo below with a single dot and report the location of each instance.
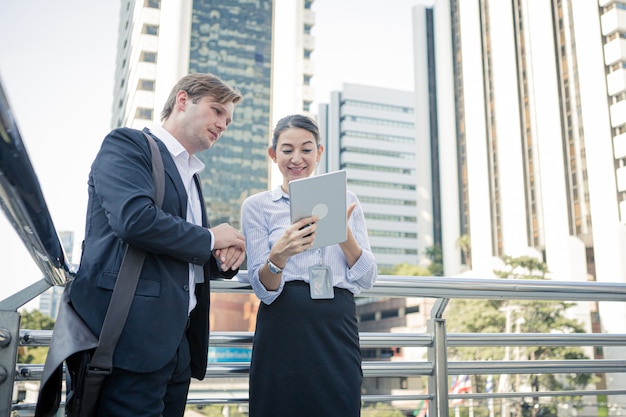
(162, 40)
(530, 121)
(370, 132)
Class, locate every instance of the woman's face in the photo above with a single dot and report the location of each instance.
(296, 154)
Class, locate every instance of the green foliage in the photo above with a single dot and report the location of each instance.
(385, 271)
(435, 254)
(381, 410)
(34, 320)
(545, 410)
(465, 244)
(532, 316)
(435, 268)
(409, 270)
(522, 267)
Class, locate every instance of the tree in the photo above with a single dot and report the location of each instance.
(464, 243)
(435, 268)
(435, 254)
(410, 270)
(381, 410)
(34, 320)
(532, 316)
(522, 267)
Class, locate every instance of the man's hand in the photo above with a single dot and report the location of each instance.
(225, 236)
(230, 258)
(229, 246)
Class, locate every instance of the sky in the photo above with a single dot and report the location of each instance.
(57, 63)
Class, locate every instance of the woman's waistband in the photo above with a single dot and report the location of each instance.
(300, 282)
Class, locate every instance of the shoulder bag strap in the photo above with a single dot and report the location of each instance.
(126, 283)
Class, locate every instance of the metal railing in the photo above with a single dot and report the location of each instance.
(436, 367)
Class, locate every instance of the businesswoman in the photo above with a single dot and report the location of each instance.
(306, 358)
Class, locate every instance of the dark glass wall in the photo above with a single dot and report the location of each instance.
(233, 39)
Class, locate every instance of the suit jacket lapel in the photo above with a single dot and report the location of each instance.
(205, 221)
(172, 172)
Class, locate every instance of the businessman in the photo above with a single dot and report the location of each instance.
(165, 339)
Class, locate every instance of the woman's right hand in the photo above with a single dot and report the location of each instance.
(296, 239)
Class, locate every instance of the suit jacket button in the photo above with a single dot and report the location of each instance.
(195, 260)
(186, 287)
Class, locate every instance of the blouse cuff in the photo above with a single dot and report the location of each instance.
(265, 295)
(361, 267)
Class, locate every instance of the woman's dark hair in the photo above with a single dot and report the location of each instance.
(295, 120)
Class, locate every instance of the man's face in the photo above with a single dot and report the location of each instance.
(203, 122)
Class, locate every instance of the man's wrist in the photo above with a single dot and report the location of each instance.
(212, 239)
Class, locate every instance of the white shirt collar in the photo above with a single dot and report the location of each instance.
(278, 193)
(176, 149)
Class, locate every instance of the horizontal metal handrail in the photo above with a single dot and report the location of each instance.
(521, 394)
(442, 289)
(244, 400)
(235, 369)
(367, 339)
(568, 366)
(536, 339)
(476, 288)
(414, 368)
(393, 397)
(368, 398)
(35, 338)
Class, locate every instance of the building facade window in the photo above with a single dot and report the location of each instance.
(145, 85)
(147, 56)
(143, 113)
(150, 29)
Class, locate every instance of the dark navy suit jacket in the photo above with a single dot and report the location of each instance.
(120, 212)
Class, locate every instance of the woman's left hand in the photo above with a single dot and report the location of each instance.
(350, 247)
(349, 211)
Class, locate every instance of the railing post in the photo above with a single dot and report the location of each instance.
(9, 341)
(438, 356)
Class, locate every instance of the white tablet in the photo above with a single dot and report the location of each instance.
(322, 195)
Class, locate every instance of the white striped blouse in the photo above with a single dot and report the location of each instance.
(264, 218)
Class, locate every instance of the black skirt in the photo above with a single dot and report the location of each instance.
(306, 358)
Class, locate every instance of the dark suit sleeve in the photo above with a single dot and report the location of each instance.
(122, 180)
(215, 271)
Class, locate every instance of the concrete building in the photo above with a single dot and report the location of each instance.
(529, 121)
(370, 132)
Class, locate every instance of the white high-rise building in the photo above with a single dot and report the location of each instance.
(527, 105)
(370, 132)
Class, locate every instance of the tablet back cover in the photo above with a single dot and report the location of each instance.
(323, 195)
